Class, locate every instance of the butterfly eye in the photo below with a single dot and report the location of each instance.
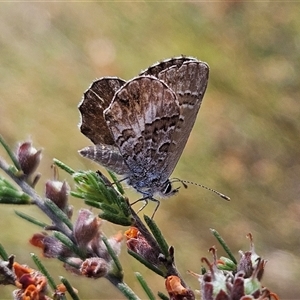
(168, 188)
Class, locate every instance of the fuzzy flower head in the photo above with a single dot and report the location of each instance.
(94, 267)
(31, 283)
(241, 283)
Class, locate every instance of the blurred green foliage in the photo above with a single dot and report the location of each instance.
(246, 141)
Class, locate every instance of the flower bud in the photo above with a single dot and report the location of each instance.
(28, 158)
(94, 267)
(58, 192)
(137, 243)
(52, 247)
(249, 261)
(226, 264)
(132, 232)
(176, 290)
(86, 227)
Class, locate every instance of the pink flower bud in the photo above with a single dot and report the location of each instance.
(58, 192)
(52, 247)
(28, 157)
(86, 227)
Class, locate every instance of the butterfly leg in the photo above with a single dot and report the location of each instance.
(157, 206)
(146, 201)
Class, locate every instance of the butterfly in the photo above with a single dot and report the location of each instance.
(140, 127)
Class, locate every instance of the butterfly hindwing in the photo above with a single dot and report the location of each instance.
(95, 100)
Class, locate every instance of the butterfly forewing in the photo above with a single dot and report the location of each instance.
(188, 78)
(95, 100)
(155, 69)
(189, 83)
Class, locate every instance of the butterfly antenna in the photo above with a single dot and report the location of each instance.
(185, 183)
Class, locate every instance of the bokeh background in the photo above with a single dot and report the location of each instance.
(245, 143)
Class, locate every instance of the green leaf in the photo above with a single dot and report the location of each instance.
(227, 264)
(97, 191)
(31, 219)
(42, 268)
(145, 286)
(58, 212)
(162, 296)
(10, 153)
(63, 166)
(223, 244)
(158, 236)
(116, 182)
(68, 243)
(11, 195)
(146, 263)
(127, 291)
(69, 288)
(3, 253)
(123, 221)
(114, 257)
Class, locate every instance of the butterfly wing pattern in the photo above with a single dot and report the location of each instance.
(95, 100)
(149, 111)
(188, 78)
(140, 127)
(93, 125)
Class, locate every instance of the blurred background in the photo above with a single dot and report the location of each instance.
(245, 143)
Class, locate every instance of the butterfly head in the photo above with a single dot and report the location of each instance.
(167, 189)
